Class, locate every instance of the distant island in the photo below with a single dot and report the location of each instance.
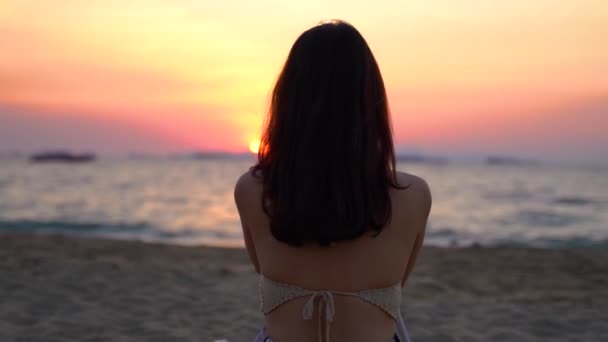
(10, 155)
(62, 157)
(502, 160)
(206, 155)
(419, 158)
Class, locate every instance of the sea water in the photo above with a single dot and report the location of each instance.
(190, 201)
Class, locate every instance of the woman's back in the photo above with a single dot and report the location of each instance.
(349, 266)
(328, 222)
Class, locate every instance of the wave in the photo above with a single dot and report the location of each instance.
(507, 195)
(545, 218)
(67, 226)
(554, 242)
(576, 201)
(130, 231)
(443, 237)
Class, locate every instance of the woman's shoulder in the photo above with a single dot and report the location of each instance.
(247, 185)
(416, 190)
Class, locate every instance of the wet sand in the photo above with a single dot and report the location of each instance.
(55, 288)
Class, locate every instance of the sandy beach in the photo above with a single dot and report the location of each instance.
(56, 288)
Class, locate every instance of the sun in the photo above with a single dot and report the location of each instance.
(254, 146)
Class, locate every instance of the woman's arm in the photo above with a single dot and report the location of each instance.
(425, 200)
(412, 260)
(250, 247)
(240, 194)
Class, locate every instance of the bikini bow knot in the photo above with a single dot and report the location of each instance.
(327, 298)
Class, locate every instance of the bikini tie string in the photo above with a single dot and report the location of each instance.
(327, 298)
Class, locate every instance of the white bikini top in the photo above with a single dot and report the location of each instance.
(273, 294)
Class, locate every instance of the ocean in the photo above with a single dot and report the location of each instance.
(190, 201)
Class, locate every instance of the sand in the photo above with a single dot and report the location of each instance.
(55, 288)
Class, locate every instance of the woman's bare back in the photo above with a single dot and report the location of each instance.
(364, 263)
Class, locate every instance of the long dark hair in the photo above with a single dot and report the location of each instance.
(327, 159)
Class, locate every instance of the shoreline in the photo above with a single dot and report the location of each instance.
(62, 288)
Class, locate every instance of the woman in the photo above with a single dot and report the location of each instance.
(329, 224)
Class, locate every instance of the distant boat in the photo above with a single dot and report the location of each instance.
(62, 157)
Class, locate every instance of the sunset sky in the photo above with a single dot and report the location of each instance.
(522, 78)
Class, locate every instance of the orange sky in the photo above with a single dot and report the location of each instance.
(473, 76)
